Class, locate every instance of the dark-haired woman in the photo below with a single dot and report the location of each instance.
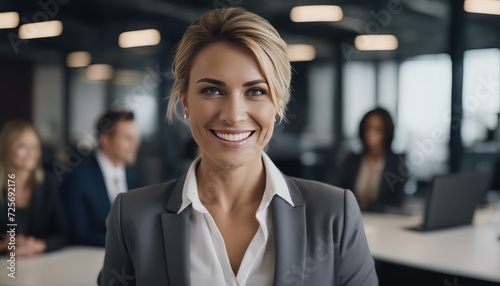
(377, 175)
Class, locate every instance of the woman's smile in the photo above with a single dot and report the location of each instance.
(229, 106)
(232, 138)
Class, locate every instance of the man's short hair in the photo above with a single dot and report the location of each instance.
(107, 123)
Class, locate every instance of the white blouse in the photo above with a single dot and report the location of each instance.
(208, 256)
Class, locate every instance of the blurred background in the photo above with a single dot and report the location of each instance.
(434, 65)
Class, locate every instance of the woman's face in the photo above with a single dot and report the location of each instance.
(25, 152)
(229, 107)
(374, 131)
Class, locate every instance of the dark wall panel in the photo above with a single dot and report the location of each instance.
(16, 90)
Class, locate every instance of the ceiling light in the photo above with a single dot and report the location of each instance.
(140, 38)
(301, 53)
(9, 20)
(316, 13)
(78, 59)
(99, 72)
(376, 42)
(127, 77)
(41, 30)
(482, 6)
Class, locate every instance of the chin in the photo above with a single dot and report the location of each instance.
(129, 161)
(235, 159)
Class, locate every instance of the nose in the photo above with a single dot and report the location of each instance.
(234, 109)
(31, 152)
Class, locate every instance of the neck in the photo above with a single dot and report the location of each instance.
(113, 160)
(230, 188)
(375, 152)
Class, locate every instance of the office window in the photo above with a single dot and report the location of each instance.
(481, 100)
(88, 102)
(142, 102)
(387, 86)
(358, 95)
(321, 79)
(424, 113)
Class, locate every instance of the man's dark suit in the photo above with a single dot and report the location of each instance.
(87, 203)
(318, 241)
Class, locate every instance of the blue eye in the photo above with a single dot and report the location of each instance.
(211, 91)
(256, 92)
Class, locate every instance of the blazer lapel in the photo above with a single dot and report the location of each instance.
(100, 193)
(289, 226)
(176, 237)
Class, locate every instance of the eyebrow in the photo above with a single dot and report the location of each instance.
(221, 83)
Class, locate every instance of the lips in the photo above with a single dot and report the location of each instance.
(232, 136)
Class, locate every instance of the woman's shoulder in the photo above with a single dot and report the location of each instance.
(316, 186)
(324, 201)
(152, 197)
(150, 192)
(318, 194)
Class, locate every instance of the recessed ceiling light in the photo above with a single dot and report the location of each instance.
(482, 6)
(9, 20)
(301, 53)
(376, 42)
(78, 59)
(316, 13)
(99, 72)
(139, 38)
(45, 29)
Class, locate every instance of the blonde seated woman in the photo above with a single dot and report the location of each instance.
(39, 215)
(234, 218)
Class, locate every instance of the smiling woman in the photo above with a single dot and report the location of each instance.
(234, 218)
(230, 111)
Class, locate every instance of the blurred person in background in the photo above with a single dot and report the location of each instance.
(90, 189)
(376, 176)
(39, 215)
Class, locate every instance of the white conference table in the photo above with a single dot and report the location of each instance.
(71, 266)
(469, 251)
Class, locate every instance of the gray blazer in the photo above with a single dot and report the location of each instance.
(319, 241)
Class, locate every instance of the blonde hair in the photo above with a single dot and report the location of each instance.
(11, 132)
(245, 29)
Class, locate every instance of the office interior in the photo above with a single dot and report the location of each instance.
(433, 64)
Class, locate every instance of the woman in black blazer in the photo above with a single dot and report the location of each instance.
(234, 218)
(376, 176)
(37, 209)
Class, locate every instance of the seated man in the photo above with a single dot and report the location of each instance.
(91, 188)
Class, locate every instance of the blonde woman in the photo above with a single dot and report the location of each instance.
(234, 218)
(38, 212)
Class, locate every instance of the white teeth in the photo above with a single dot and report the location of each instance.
(233, 137)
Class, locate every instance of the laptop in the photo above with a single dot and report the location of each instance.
(452, 200)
